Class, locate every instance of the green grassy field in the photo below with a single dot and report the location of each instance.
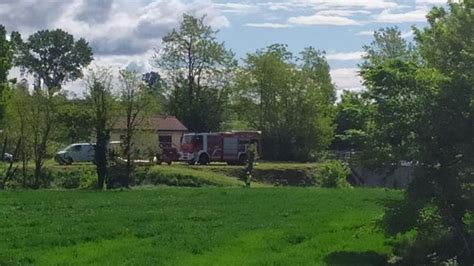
(205, 226)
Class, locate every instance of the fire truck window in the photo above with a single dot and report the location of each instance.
(165, 141)
(197, 140)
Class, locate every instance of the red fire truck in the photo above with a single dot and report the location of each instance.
(230, 147)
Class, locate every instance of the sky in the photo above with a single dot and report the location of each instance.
(127, 33)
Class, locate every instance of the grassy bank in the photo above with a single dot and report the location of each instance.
(217, 226)
(83, 175)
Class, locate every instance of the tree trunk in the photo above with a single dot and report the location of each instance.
(101, 158)
(37, 172)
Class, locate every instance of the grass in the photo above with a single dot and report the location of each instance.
(183, 175)
(205, 226)
(180, 174)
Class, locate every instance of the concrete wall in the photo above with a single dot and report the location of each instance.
(398, 178)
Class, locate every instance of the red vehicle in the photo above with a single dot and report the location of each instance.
(230, 147)
(167, 154)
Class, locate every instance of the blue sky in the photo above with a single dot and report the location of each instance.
(126, 33)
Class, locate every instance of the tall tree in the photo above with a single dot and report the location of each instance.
(198, 68)
(136, 102)
(52, 57)
(99, 95)
(388, 44)
(423, 112)
(290, 103)
(6, 56)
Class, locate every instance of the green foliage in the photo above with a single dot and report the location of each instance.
(388, 44)
(82, 178)
(351, 121)
(198, 68)
(224, 226)
(423, 113)
(292, 104)
(137, 104)
(53, 57)
(183, 176)
(6, 57)
(332, 174)
(75, 118)
(99, 98)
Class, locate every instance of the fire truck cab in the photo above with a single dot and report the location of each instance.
(230, 147)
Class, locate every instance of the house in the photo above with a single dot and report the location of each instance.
(163, 129)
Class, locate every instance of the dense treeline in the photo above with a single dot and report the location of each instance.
(291, 99)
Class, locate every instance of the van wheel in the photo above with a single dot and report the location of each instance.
(243, 158)
(203, 159)
(68, 161)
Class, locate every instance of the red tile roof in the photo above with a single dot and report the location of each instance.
(160, 123)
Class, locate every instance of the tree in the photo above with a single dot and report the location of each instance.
(41, 118)
(198, 68)
(6, 56)
(53, 57)
(75, 120)
(292, 104)
(99, 96)
(423, 113)
(136, 103)
(352, 113)
(156, 87)
(18, 128)
(388, 44)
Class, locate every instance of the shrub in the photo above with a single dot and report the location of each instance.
(332, 174)
(186, 177)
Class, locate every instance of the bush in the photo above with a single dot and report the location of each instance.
(332, 174)
(82, 178)
(185, 177)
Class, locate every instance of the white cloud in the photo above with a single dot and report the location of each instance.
(431, 2)
(367, 4)
(322, 20)
(387, 16)
(365, 33)
(346, 78)
(268, 25)
(236, 7)
(122, 27)
(122, 33)
(345, 56)
(342, 12)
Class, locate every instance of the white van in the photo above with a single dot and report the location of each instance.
(77, 152)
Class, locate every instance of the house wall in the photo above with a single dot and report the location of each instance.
(149, 139)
